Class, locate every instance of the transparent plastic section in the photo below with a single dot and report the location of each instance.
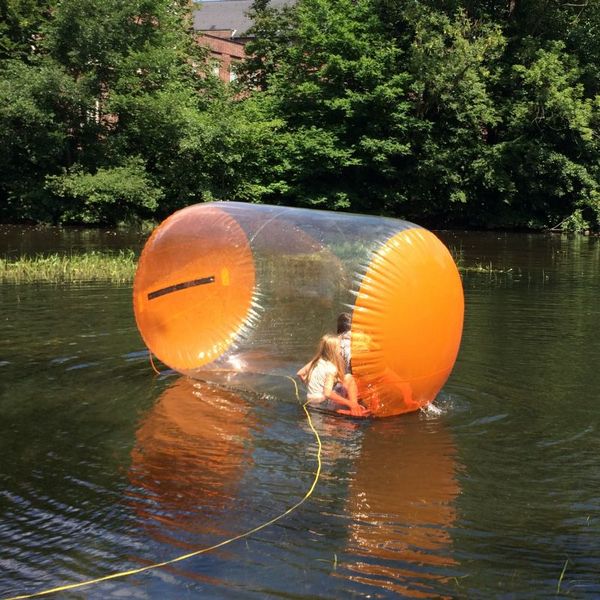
(230, 287)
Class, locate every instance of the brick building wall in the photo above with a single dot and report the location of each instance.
(224, 52)
(222, 26)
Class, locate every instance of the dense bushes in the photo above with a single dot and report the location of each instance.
(448, 113)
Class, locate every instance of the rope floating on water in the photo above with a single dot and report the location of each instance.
(183, 557)
(152, 363)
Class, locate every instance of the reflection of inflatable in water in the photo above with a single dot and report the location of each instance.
(401, 502)
(245, 287)
(190, 454)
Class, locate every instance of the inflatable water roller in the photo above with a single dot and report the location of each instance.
(229, 287)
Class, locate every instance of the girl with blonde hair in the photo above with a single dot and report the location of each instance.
(328, 386)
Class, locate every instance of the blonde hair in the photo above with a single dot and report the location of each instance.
(329, 349)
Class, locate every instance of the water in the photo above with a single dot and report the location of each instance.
(491, 493)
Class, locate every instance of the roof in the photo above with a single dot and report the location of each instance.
(227, 15)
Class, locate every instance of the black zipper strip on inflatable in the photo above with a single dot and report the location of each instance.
(180, 286)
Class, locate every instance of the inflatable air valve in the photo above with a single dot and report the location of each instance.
(234, 287)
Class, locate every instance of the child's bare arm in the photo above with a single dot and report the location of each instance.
(303, 372)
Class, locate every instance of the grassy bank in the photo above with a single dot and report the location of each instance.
(481, 268)
(114, 267)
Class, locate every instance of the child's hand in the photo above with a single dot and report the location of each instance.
(356, 410)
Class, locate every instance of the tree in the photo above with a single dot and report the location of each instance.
(548, 144)
(447, 113)
(380, 115)
(329, 75)
(20, 25)
(452, 61)
(38, 104)
(431, 110)
(107, 196)
(111, 81)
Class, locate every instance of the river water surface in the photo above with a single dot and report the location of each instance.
(493, 492)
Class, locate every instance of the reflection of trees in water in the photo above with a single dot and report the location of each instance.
(301, 296)
(191, 452)
(302, 284)
(401, 502)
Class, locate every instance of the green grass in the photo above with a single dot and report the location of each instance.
(114, 267)
(477, 267)
(481, 268)
(117, 267)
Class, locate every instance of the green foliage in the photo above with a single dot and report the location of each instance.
(233, 151)
(330, 76)
(273, 31)
(451, 60)
(447, 113)
(575, 223)
(451, 112)
(110, 81)
(548, 144)
(20, 25)
(116, 267)
(41, 129)
(107, 197)
(106, 42)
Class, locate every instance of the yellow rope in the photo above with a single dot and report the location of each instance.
(73, 586)
(152, 363)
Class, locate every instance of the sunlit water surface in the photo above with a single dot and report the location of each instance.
(493, 492)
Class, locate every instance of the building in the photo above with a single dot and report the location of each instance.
(223, 27)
